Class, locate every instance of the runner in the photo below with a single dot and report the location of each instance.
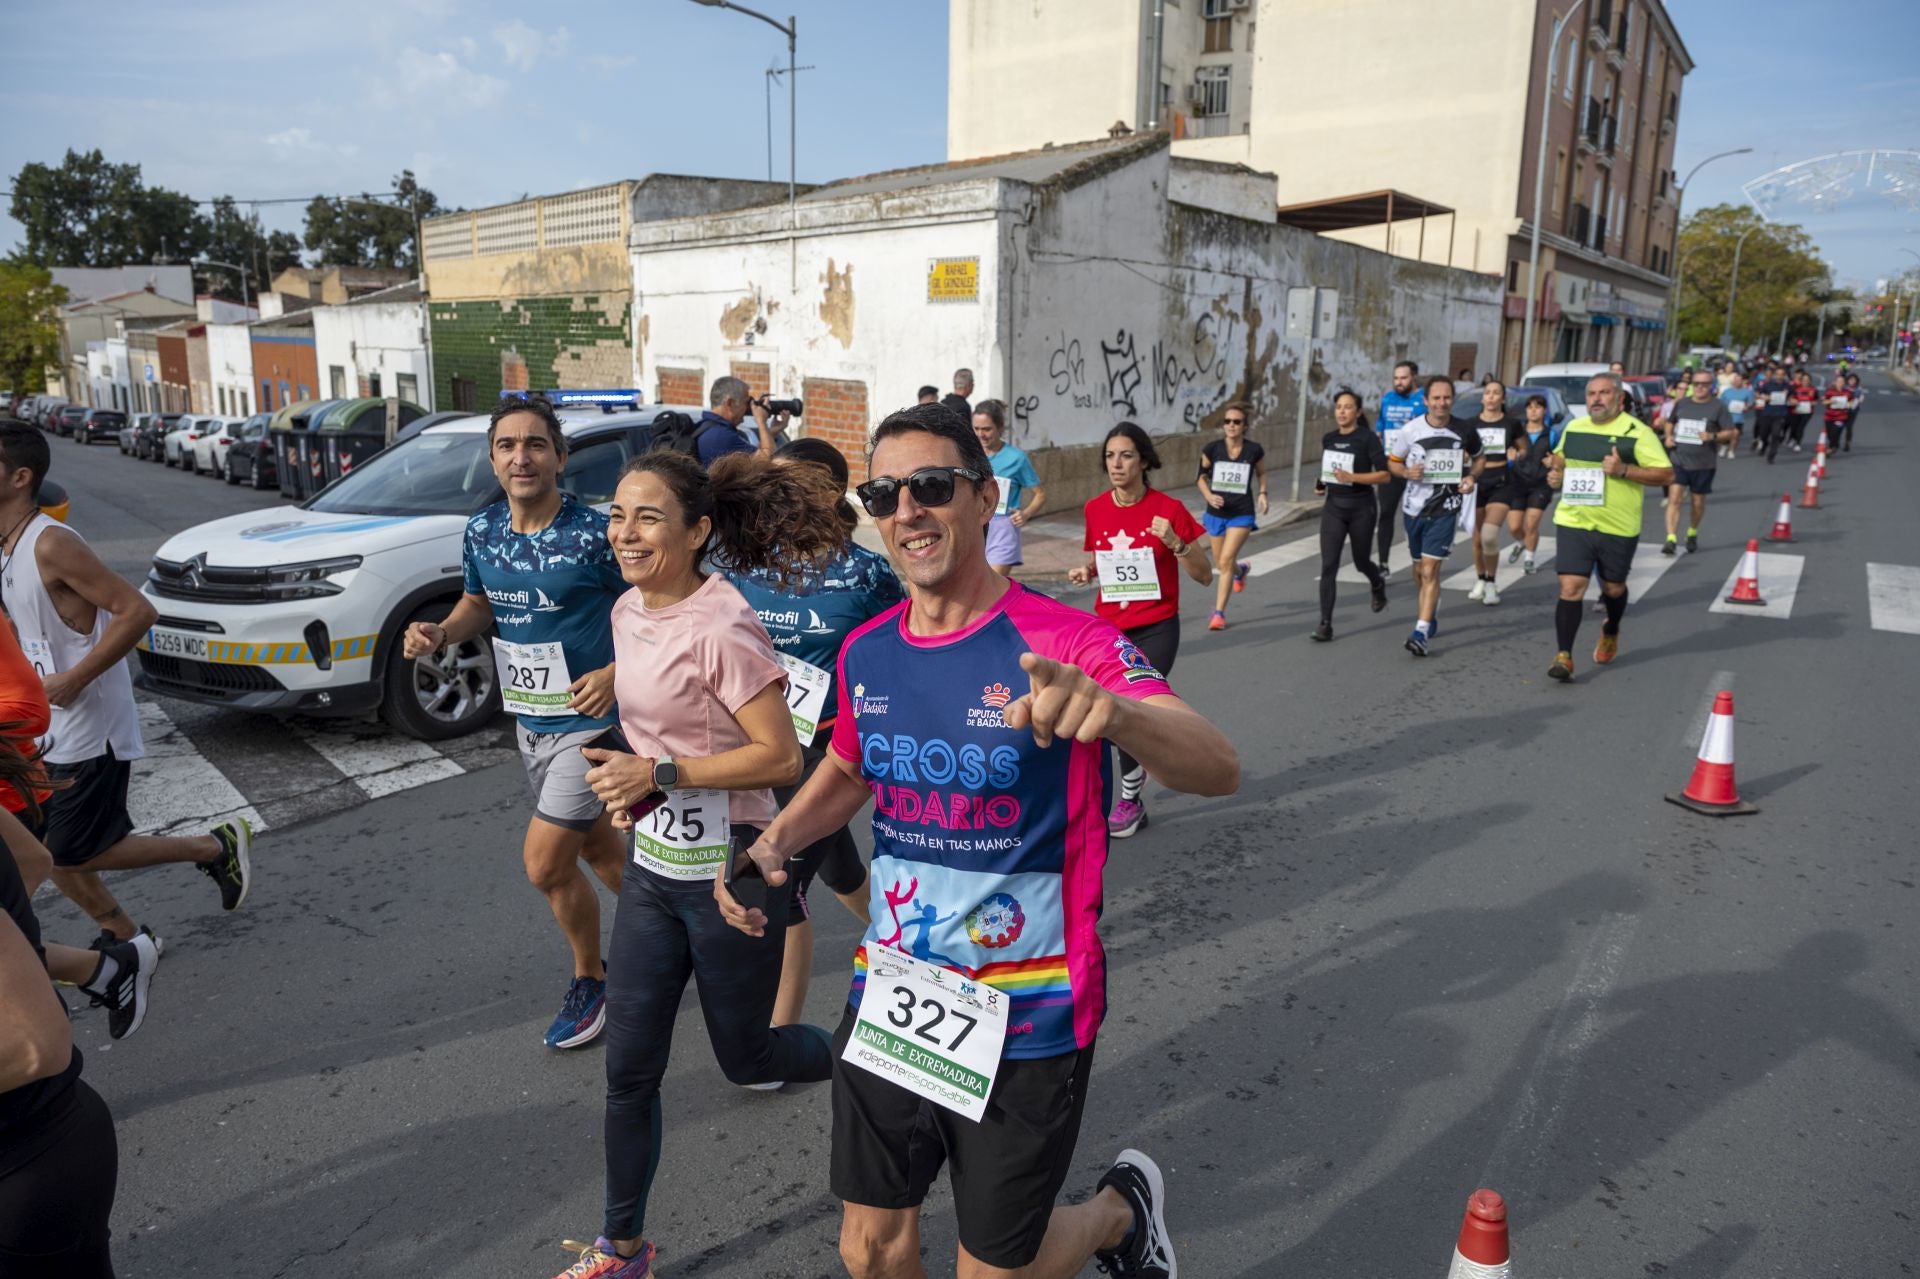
(1397, 408)
(1804, 396)
(1839, 404)
(1601, 466)
(1695, 430)
(1738, 397)
(49, 579)
(536, 567)
(703, 703)
(1439, 458)
(1854, 398)
(1772, 395)
(991, 870)
(1494, 497)
(1352, 461)
(1527, 487)
(808, 620)
(1021, 492)
(1231, 469)
(1140, 539)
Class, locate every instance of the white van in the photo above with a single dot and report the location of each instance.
(1571, 381)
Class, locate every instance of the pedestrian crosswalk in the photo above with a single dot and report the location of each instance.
(1779, 585)
(1893, 597)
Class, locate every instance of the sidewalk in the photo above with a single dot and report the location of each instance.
(1051, 545)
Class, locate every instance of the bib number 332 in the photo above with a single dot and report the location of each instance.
(934, 1032)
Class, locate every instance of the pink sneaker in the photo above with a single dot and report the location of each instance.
(1128, 816)
(1240, 572)
(602, 1262)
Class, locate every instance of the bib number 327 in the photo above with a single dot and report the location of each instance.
(930, 1030)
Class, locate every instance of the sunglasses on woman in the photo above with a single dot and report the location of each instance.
(930, 486)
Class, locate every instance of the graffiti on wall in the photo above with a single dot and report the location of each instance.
(1187, 379)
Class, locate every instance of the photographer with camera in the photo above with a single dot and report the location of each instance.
(718, 431)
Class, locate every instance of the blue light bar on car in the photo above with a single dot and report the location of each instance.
(567, 399)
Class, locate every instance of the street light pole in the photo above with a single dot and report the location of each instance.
(1539, 191)
(1733, 287)
(1673, 290)
(790, 29)
(245, 296)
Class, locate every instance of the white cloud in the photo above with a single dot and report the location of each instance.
(438, 80)
(524, 46)
(301, 139)
(610, 61)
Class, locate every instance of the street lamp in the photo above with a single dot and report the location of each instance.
(789, 29)
(244, 294)
(1733, 287)
(1539, 189)
(1673, 290)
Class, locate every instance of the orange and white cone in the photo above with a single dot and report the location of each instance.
(1746, 587)
(1711, 789)
(1482, 1252)
(1810, 497)
(1783, 522)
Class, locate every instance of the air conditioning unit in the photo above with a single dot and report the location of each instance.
(1196, 94)
(1239, 4)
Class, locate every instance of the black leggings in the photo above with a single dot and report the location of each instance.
(1388, 513)
(1160, 641)
(666, 931)
(54, 1207)
(1340, 525)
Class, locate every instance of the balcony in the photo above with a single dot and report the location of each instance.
(1666, 126)
(1600, 25)
(1617, 50)
(1580, 224)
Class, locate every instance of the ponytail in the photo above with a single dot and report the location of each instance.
(765, 518)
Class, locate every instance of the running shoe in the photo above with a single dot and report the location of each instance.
(1479, 591)
(772, 1085)
(1323, 632)
(1607, 649)
(1240, 572)
(582, 1016)
(1530, 568)
(1128, 816)
(1492, 596)
(1514, 552)
(230, 868)
(1380, 596)
(1562, 668)
(1218, 621)
(1693, 543)
(1385, 572)
(1146, 1252)
(1669, 547)
(124, 995)
(601, 1262)
(1417, 644)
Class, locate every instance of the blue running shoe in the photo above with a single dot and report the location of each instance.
(600, 1261)
(582, 1017)
(1417, 644)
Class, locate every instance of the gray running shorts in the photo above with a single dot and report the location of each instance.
(558, 773)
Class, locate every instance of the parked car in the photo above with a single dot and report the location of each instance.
(251, 460)
(1651, 389)
(147, 441)
(419, 424)
(130, 430)
(68, 418)
(98, 424)
(302, 609)
(1466, 403)
(177, 447)
(210, 451)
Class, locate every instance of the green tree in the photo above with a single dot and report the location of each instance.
(29, 337)
(90, 212)
(369, 230)
(1781, 277)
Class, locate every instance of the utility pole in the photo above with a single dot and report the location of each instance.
(1539, 190)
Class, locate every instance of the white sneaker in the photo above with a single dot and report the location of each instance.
(1514, 553)
(1492, 596)
(1479, 591)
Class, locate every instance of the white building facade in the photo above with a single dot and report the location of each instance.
(374, 345)
(230, 369)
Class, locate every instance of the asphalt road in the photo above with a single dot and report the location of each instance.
(1447, 935)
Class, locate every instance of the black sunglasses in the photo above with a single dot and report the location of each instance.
(930, 486)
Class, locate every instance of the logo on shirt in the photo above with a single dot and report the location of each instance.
(864, 705)
(996, 922)
(535, 601)
(987, 714)
(815, 626)
(1137, 666)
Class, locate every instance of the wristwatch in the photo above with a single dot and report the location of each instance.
(666, 773)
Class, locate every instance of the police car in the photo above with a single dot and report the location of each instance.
(301, 609)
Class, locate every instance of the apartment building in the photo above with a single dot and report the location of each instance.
(1351, 98)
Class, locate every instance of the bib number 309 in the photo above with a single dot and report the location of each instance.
(932, 1031)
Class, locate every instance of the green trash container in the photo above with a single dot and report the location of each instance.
(354, 430)
(286, 435)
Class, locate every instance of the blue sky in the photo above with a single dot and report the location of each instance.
(488, 101)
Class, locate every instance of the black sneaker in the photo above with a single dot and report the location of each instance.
(1670, 547)
(1147, 1252)
(124, 996)
(1693, 543)
(231, 869)
(1380, 595)
(1323, 632)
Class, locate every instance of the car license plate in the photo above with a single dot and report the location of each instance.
(177, 643)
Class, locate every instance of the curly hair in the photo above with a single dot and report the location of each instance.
(765, 518)
(21, 769)
(809, 448)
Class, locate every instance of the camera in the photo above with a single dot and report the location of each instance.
(774, 407)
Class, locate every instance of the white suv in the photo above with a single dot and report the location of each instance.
(301, 609)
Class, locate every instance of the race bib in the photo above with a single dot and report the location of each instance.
(1689, 431)
(1332, 460)
(1127, 576)
(1837, 402)
(686, 837)
(1493, 440)
(1776, 398)
(932, 1031)
(1803, 406)
(1442, 466)
(1230, 478)
(40, 653)
(1584, 486)
(807, 689)
(1005, 502)
(533, 678)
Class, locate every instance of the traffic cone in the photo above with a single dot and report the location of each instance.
(1482, 1252)
(1746, 587)
(1810, 497)
(1783, 522)
(1711, 789)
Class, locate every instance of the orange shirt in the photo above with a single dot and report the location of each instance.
(23, 708)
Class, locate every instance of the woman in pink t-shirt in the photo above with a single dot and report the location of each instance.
(703, 704)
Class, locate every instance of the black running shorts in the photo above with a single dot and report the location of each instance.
(88, 816)
(1577, 552)
(1006, 1170)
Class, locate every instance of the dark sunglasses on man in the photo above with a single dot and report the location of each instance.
(930, 486)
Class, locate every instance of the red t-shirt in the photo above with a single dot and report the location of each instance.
(1111, 527)
(23, 707)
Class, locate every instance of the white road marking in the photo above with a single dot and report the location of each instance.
(1275, 558)
(380, 765)
(1779, 583)
(1722, 681)
(1893, 595)
(175, 790)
